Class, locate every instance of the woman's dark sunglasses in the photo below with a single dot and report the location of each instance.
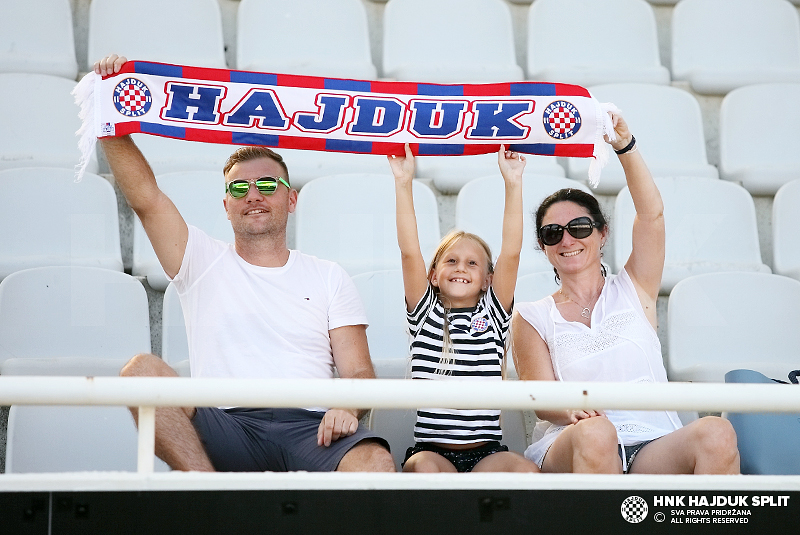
(580, 227)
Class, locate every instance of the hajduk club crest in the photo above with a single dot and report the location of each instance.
(561, 119)
(132, 97)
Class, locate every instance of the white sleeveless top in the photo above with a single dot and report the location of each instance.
(620, 346)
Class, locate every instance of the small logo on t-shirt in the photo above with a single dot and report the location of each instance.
(480, 325)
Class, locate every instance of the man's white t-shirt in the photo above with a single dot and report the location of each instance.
(248, 321)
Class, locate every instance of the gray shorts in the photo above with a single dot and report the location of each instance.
(270, 440)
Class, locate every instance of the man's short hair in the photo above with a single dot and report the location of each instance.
(254, 152)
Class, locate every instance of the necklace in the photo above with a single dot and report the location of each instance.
(586, 312)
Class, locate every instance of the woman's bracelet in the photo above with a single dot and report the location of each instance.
(630, 147)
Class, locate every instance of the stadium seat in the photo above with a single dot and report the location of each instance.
(479, 209)
(44, 438)
(719, 45)
(785, 252)
(719, 322)
(762, 163)
(449, 174)
(185, 32)
(38, 121)
(66, 320)
(350, 219)
(174, 343)
(36, 43)
(383, 296)
(306, 165)
(572, 41)
(669, 130)
(769, 443)
(397, 427)
(198, 196)
(535, 286)
(334, 41)
(711, 226)
(167, 155)
(78, 227)
(449, 41)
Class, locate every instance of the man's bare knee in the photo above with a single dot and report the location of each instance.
(367, 456)
(147, 365)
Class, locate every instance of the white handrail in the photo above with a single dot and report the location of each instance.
(150, 392)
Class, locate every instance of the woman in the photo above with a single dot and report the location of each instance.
(603, 328)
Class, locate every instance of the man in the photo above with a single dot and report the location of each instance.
(253, 309)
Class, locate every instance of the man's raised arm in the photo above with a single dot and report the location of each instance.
(164, 225)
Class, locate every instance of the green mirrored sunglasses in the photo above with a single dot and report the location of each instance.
(266, 185)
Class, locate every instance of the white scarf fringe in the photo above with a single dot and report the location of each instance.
(605, 127)
(84, 93)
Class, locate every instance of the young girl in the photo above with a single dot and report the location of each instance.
(458, 315)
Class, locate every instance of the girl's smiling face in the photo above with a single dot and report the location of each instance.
(462, 274)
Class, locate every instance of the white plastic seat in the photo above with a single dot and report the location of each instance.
(350, 219)
(36, 36)
(570, 41)
(65, 320)
(449, 174)
(183, 32)
(535, 286)
(479, 209)
(710, 225)
(384, 303)
(719, 45)
(38, 121)
(198, 196)
(668, 128)
(786, 253)
(762, 163)
(449, 41)
(174, 342)
(306, 165)
(78, 225)
(305, 37)
(167, 155)
(718, 322)
(44, 438)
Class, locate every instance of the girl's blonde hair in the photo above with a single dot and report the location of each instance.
(447, 358)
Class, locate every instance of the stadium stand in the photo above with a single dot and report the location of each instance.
(669, 132)
(384, 303)
(30, 42)
(350, 219)
(586, 56)
(30, 101)
(320, 49)
(785, 253)
(185, 32)
(719, 45)
(761, 163)
(306, 165)
(89, 439)
(71, 321)
(720, 322)
(710, 225)
(78, 227)
(167, 155)
(479, 209)
(432, 47)
(535, 286)
(198, 196)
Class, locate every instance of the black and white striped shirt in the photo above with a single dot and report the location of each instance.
(477, 337)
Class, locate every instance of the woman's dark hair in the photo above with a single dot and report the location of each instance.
(579, 197)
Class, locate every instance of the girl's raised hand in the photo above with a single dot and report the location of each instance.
(402, 166)
(511, 163)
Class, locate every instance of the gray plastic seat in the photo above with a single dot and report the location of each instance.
(769, 443)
